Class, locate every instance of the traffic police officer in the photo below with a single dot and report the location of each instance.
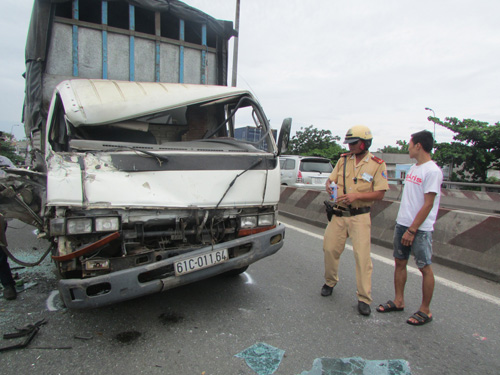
(361, 179)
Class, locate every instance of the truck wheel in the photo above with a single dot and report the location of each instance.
(236, 271)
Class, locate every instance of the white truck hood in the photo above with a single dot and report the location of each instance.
(93, 182)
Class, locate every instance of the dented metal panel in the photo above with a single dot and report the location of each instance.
(64, 180)
(127, 284)
(101, 101)
(88, 180)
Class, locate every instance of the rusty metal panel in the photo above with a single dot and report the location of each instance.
(118, 61)
(89, 53)
(144, 60)
(212, 69)
(192, 65)
(169, 63)
(90, 56)
(59, 60)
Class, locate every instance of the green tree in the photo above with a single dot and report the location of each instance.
(311, 141)
(402, 149)
(333, 152)
(476, 148)
(7, 150)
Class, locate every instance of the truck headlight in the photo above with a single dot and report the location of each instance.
(57, 227)
(266, 220)
(78, 226)
(248, 222)
(107, 224)
(96, 264)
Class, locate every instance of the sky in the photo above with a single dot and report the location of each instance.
(334, 64)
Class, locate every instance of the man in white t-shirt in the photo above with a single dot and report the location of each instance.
(414, 226)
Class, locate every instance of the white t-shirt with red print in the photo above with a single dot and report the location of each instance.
(421, 179)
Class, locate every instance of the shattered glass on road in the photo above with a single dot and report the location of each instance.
(358, 366)
(264, 359)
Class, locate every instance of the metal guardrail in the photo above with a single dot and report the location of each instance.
(461, 185)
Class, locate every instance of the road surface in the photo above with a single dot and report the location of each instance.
(199, 328)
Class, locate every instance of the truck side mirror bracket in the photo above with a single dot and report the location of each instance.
(284, 136)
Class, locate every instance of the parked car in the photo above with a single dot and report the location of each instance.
(6, 162)
(308, 172)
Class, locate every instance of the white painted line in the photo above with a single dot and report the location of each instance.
(50, 301)
(450, 284)
(249, 278)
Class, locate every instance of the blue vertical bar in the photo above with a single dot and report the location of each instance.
(75, 39)
(104, 11)
(181, 52)
(157, 62)
(204, 54)
(158, 46)
(132, 43)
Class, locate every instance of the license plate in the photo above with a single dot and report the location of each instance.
(319, 180)
(201, 261)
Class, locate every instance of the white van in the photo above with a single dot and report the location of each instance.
(307, 172)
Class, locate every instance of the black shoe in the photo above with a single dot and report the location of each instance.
(326, 290)
(364, 308)
(9, 292)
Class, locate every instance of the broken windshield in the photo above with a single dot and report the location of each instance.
(233, 122)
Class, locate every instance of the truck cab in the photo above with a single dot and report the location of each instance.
(147, 188)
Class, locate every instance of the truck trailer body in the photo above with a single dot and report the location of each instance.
(126, 40)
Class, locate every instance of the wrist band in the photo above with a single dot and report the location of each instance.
(411, 232)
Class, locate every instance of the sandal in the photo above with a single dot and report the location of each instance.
(388, 307)
(420, 317)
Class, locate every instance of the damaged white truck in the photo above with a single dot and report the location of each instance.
(141, 186)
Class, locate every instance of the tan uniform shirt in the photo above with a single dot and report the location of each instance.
(369, 175)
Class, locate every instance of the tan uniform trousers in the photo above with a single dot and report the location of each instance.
(358, 228)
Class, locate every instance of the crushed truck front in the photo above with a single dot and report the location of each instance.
(148, 189)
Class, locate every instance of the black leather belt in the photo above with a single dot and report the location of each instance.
(342, 211)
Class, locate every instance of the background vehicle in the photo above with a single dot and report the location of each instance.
(141, 186)
(308, 172)
(5, 162)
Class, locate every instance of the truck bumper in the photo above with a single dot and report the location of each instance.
(124, 285)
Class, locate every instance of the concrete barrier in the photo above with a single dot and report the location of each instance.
(477, 201)
(465, 240)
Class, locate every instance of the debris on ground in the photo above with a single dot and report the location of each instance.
(29, 330)
(358, 366)
(83, 337)
(262, 358)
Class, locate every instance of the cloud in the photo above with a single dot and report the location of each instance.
(14, 20)
(333, 64)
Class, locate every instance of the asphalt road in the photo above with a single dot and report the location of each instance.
(199, 328)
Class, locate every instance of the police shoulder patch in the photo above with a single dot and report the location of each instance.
(378, 160)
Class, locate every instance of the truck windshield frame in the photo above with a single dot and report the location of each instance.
(183, 127)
